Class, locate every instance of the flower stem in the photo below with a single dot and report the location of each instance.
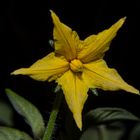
(51, 123)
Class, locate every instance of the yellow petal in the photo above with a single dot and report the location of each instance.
(96, 45)
(47, 68)
(66, 40)
(98, 75)
(90, 39)
(75, 92)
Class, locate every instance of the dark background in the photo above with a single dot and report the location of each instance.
(27, 27)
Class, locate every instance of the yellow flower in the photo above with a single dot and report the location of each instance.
(77, 65)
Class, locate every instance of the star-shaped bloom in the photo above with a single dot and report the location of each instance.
(78, 65)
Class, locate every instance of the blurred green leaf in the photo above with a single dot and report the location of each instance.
(101, 115)
(6, 114)
(28, 111)
(135, 133)
(110, 124)
(13, 134)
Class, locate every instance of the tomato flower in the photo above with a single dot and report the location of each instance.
(78, 65)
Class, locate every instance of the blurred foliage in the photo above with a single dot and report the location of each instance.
(6, 114)
(28, 111)
(110, 124)
(13, 134)
(98, 124)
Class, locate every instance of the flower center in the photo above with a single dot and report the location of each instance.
(76, 65)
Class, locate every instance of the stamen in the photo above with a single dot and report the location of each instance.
(76, 65)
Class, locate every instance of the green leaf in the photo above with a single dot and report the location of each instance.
(13, 134)
(6, 114)
(102, 115)
(110, 124)
(135, 133)
(28, 111)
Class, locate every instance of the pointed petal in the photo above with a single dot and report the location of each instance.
(75, 92)
(47, 68)
(90, 39)
(66, 40)
(96, 45)
(98, 75)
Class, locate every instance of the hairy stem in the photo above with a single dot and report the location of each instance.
(51, 123)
